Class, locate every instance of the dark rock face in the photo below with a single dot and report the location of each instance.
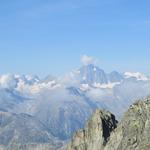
(132, 133)
(108, 125)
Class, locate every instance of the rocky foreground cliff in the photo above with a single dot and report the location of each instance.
(102, 131)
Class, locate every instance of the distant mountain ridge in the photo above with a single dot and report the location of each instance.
(87, 74)
(22, 131)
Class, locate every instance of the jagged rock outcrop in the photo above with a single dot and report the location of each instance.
(132, 133)
(96, 134)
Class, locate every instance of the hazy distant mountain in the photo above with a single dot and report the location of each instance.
(22, 131)
(10, 98)
(91, 74)
(115, 77)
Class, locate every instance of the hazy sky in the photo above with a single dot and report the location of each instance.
(49, 36)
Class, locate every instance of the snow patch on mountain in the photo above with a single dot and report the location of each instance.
(84, 87)
(137, 75)
(37, 87)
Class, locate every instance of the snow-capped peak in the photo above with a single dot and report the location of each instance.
(91, 74)
(137, 75)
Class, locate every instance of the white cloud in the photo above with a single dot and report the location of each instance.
(86, 60)
(106, 86)
(7, 81)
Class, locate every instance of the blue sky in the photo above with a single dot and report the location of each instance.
(49, 36)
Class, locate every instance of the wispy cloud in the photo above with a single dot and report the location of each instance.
(86, 60)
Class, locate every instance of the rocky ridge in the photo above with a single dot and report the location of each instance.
(103, 133)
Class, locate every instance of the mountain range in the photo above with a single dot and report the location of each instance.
(56, 107)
